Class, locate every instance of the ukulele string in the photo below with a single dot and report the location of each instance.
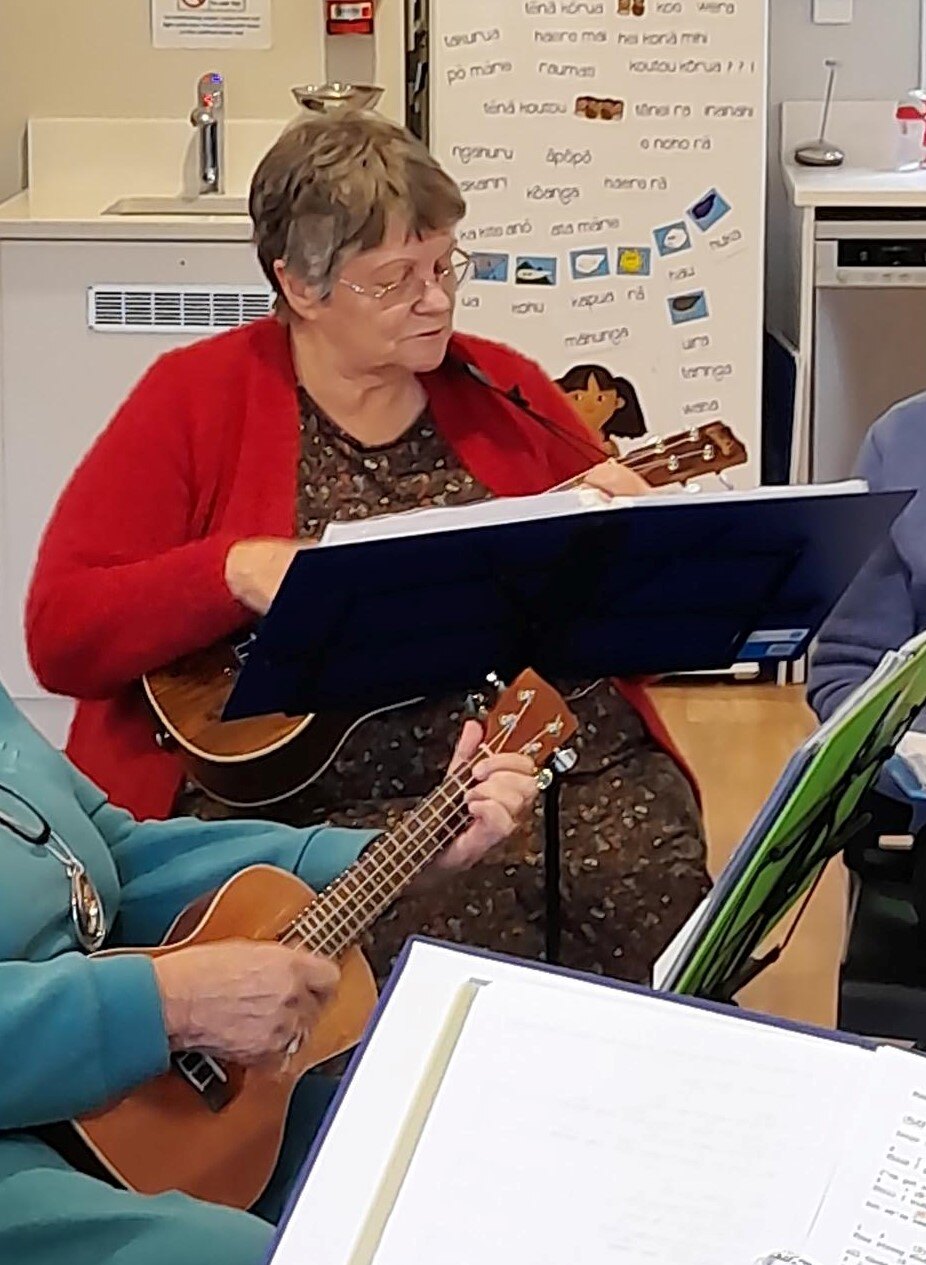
(313, 922)
(351, 924)
(647, 459)
(411, 867)
(315, 928)
(419, 857)
(312, 919)
(302, 924)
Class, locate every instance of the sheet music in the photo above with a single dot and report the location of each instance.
(912, 750)
(874, 1212)
(489, 513)
(551, 505)
(572, 1127)
(678, 946)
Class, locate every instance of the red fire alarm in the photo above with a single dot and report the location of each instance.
(350, 17)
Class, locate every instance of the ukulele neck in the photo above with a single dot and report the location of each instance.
(390, 864)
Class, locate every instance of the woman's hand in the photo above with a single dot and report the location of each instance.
(615, 479)
(506, 789)
(242, 1000)
(254, 569)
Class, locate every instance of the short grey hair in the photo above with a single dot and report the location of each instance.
(331, 185)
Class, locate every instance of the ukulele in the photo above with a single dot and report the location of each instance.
(212, 1129)
(267, 759)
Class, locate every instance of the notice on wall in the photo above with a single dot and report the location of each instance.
(612, 155)
(210, 23)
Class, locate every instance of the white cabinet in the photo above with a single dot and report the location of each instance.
(60, 382)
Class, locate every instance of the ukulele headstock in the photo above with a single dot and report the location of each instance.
(708, 449)
(530, 718)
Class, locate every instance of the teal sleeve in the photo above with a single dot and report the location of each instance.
(165, 865)
(75, 1034)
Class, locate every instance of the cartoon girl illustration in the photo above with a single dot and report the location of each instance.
(608, 405)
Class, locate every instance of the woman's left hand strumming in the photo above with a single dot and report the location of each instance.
(615, 479)
(506, 789)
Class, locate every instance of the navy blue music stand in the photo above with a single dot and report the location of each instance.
(672, 585)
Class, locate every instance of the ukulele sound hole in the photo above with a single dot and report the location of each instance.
(207, 1077)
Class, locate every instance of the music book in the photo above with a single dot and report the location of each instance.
(805, 822)
(513, 1114)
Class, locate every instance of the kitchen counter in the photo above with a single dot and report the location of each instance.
(21, 218)
(867, 134)
(854, 186)
(79, 167)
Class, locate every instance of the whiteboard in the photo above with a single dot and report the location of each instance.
(612, 155)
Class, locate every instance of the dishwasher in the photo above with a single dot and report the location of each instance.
(869, 326)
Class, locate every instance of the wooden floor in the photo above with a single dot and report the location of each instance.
(738, 738)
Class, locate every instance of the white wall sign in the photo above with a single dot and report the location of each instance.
(612, 154)
(210, 23)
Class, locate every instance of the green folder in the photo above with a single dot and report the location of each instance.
(810, 816)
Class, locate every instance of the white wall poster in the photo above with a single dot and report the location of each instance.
(612, 154)
(210, 23)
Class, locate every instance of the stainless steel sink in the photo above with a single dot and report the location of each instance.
(204, 204)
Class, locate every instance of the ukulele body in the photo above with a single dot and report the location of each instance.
(213, 1129)
(243, 763)
(164, 1135)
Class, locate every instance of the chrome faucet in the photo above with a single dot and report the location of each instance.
(208, 117)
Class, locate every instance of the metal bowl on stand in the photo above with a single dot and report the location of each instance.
(325, 97)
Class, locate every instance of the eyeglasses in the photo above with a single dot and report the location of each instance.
(87, 913)
(409, 288)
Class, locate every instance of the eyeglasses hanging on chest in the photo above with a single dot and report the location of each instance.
(25, 821)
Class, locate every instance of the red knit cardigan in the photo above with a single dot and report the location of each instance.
(204, 452)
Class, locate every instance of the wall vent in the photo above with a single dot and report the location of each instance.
(174, 309)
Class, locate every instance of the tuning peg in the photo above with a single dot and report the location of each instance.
(544, 779)
(476, 707)
(495, 681)
(564, 759)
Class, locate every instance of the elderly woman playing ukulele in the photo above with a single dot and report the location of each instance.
(356, 398)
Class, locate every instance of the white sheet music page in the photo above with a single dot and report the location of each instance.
(491, 513)
(575, 1127)
(875, 1209)
(519, 509)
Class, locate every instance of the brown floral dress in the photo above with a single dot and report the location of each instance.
(633, 860)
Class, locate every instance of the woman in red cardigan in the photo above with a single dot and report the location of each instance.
(355, 399)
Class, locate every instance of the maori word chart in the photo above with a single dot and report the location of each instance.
(612, 156)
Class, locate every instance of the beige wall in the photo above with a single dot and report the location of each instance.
(94, 57)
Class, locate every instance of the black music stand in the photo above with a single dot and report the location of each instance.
(672, 584)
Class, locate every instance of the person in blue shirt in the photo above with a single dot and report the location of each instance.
(884, 606)
(76, 1031)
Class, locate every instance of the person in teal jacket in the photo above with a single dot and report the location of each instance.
(77, 1032)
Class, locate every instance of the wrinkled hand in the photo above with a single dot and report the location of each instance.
(615, 479)
(254, 569)
(242, 1000)
(505, 792)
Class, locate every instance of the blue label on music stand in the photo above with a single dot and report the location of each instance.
(774, 643)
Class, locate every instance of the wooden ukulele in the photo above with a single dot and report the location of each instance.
(214, 1130)
(267, 759)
